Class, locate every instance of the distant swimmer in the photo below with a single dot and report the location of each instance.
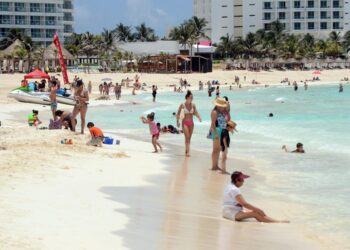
(234, 203)
(306, 86)
(271, 115)
(299, 149)
(341, 88)
(295, 87)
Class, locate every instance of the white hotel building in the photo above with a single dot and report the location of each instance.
(239, 17)
(39, 19)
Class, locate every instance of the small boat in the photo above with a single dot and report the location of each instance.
(65, 100)
(36, 98)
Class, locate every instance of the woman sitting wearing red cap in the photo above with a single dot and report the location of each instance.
(234, 203)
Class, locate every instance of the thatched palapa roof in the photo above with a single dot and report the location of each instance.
(12, 48)
(52, 54)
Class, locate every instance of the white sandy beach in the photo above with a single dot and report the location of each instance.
(55, 196)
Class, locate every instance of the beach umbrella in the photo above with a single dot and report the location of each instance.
(37, 74)
(316, 72)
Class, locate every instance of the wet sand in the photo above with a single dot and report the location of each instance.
(182, 210)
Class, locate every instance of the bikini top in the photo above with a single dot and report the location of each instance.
(186, 111)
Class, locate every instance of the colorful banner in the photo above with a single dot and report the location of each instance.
(57, 43)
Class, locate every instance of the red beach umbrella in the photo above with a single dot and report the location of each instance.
(37, 74)
(316, 72)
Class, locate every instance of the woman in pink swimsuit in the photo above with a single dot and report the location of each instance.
(185, 113)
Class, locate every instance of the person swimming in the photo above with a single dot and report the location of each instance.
(299, 148)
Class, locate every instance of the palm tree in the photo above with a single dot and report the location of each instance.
(290, 47)
(335, 37)
(174, 34)
(11, 36)
(123, 33)
(38, 55)
(249, 45)
(199, 26)
(144, 33)
(89, 46)
(228, 47)
(107, 40)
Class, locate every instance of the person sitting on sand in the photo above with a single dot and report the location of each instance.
(33, 119)
(234, 203)
(299, 148)
(154, 131)
(96, 135)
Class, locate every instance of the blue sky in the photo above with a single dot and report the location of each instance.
(94, 15)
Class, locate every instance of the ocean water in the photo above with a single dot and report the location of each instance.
(318, 117)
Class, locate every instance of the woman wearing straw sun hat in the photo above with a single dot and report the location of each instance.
(218, 123)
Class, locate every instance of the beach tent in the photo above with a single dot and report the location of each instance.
(37, 74)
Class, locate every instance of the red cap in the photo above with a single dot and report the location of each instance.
(238, 176)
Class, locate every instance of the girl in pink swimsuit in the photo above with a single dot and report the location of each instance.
(153, 130)
(185, 113)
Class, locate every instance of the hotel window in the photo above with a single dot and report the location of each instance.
(50, 33)
(267, 5)
(296, 4)
(324, 4)
(297, 26)
(323, 26)
(310, 4)
(335, 4)
(35, 7)
(311, 26)
(20, 20)
(267, 16)
(297, 15)
(310, 15)
(5, 19)
(281, 4)
(336, 25)
(50, 20)
(3, 32)
(282, 15)
(267, 26)
(35, 20)
(323, 14)
(68, 28)
(36, 33)
(336, 14)
(4, 6)
(20, 7)
(50, 8)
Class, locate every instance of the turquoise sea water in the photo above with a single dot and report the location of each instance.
(318, 117)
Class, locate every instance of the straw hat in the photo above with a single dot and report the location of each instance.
(220, 102)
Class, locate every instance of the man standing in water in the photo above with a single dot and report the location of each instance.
(154, 92)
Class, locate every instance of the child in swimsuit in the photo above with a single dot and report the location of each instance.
(153, 130)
